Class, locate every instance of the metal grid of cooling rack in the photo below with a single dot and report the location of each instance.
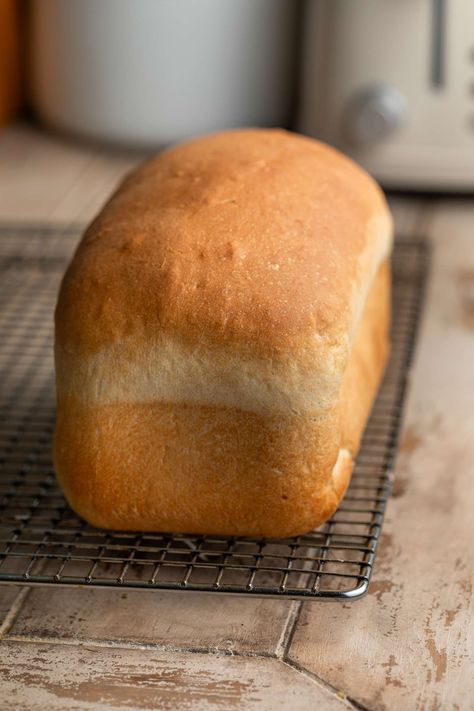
(43, 542)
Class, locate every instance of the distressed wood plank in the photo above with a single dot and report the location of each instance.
(56, 677)
(410, 643)
(190, 621)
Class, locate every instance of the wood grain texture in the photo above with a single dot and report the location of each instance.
(410, 643)
(38, 677)
(196, 621)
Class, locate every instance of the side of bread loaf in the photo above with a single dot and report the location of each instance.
(220, 336)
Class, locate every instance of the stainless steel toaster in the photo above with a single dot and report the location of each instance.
(391, 82)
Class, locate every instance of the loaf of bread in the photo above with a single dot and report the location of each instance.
(221, 333)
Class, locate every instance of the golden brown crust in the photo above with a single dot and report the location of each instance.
(192, 468)
(253, 239)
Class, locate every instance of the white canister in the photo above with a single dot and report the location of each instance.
(152, 72)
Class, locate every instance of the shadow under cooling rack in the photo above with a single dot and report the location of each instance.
(43, 542)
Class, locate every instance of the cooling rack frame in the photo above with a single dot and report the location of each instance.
(42, 542)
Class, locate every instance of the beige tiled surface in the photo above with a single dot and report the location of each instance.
(44, 677)
(44, 178)
(9, 595)
(183, 621)
(410, 642)
(408, 645)
(12, 598)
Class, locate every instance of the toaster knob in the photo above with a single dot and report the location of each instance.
(374, 114)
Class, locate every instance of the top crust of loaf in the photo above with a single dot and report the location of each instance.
(250, 250)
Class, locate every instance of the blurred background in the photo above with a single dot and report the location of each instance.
(87, 89)
(390, 82)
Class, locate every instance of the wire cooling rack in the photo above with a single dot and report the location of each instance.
(43, 542)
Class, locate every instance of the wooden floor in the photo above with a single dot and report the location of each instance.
(409, 644)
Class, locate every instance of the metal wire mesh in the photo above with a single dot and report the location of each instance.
(42, 541)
